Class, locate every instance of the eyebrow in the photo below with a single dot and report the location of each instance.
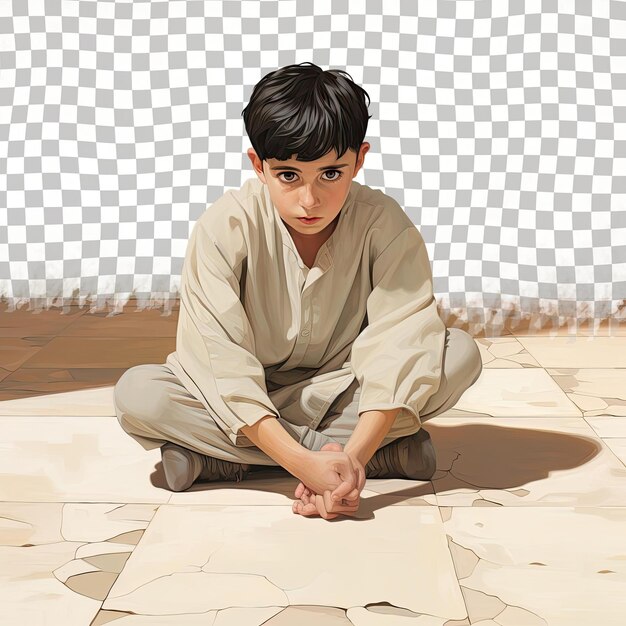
(319, 169)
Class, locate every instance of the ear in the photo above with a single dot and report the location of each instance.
(365, 146)
(257, 164)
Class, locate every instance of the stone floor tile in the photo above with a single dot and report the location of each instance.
(72, 459)
(524, 462)
(561, 566)
(309, 616)
(62, 559)
(393, 616)
(618, 447)
(504, 353)
(281, 616)
(529, 392)
(598, 391)
(232, 616)
(84, 403)
(577, 351)
(199, 558)
(608, 426)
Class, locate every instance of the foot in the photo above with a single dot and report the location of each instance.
(182, 467)
(412, 457)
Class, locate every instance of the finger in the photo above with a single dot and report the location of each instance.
(321, 507)
(310, 510)
(304, 509)
(349, 510)
(350, 506)
(360, 479)
(346, 472)
(342, 490)
(305, 491)
(353, 495)
(299, 490)
(354, 502)
(337, 507)
(330, 503)
(346, 504)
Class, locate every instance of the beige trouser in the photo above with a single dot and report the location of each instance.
(153, 407)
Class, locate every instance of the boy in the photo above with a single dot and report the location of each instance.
(307, 317)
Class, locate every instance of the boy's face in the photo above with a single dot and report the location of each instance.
(304, 189)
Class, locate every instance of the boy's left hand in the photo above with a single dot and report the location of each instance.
(309, 503)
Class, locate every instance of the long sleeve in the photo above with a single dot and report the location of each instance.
(214, 342)
(397, 357)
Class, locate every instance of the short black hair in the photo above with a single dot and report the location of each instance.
(304, 110)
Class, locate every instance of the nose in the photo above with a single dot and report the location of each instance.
(307, 199)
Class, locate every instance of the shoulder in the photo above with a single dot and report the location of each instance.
(233, 209)
(378, 216)
(228, 223)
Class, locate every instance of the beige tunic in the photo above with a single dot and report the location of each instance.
(260, 334)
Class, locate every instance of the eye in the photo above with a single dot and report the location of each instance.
(286, 174)
(331, 180)
(335, 172)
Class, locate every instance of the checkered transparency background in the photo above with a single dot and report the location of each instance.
(500, 128)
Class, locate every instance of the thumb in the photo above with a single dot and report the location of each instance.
(348, 477)
(353, 494)
(342, 491)
(348, 482)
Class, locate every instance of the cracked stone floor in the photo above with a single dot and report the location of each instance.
(523, 524)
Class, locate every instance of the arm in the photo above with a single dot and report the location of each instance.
(215, 342)
(370, 430)
(268, 435)
(398, 357)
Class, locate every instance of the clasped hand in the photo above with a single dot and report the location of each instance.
(332, 481)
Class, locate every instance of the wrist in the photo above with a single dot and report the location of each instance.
(369, 433)
(272, 438)
(294, 457)
(301, 465)
(354, 453)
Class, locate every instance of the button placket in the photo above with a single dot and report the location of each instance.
(306, 317)
(304, 336)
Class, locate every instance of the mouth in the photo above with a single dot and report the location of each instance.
(309, 220)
